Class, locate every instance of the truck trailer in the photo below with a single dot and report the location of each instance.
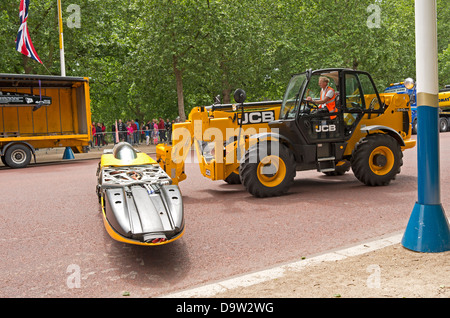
(408, 87)
(39, 111)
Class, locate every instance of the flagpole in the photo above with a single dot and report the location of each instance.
(61, 40)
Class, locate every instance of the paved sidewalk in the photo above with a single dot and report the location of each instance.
(378, 269)
(56, 154)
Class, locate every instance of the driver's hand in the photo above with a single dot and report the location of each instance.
(309, 98)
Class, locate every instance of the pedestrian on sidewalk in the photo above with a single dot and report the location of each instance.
(155, 132)
(147, 135)
(130, 133)
(98, 135)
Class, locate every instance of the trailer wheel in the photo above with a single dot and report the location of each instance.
(376, 160)
(443, 124)
(414, 127)
(265, 174)
(17, 156)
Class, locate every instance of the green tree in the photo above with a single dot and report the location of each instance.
(152, 58)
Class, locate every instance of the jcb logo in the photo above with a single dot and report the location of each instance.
(258, 117)
(325, 128)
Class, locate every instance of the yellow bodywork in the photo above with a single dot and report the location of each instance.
(64, 123)
(392, 118)
(205, 125)
(108, 160)
(444, 99)
(211, 126)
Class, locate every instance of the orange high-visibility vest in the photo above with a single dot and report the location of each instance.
(331, 104)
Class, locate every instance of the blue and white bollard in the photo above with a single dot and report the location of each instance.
(428, 228)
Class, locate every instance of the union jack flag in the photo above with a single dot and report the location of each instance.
(23, 41)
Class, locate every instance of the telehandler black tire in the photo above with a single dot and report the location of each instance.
(233, 178)
(279, 175)
(377, 159)
(339, 170)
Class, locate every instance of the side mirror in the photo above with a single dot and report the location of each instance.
(217, 99)
(239, 95)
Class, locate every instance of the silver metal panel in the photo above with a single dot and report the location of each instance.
(172, 197)
(162, 212)
(119, 208)
(134, 218)
(148, 212)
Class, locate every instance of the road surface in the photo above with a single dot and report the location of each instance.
(53, 243)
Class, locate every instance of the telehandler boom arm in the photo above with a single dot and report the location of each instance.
(214, 130)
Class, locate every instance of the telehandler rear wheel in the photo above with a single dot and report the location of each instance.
(376, 160)
(267, 174)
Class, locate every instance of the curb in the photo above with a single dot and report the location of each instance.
(251, 279)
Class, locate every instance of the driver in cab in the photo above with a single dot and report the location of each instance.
(327, 97)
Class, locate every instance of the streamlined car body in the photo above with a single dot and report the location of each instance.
(140, 205)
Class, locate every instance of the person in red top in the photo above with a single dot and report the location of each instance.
(155, 132)
(93, 129)
(130, 132)
(104, 135)
(162, 131)
(133, 124)
(135, 130)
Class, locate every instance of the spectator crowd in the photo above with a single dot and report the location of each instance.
(150, 132)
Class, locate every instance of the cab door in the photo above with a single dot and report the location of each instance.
(318, 126)
(360, 98)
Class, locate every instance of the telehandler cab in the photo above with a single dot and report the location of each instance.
(367, 131)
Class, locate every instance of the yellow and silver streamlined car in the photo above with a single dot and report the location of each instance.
(140, 205)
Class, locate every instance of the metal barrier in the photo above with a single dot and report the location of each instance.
(138, 137)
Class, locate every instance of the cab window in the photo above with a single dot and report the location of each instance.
(313, 90)
(353, 100)
(354, 103)
(370, 95)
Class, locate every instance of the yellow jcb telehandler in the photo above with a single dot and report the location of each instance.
(264, 145)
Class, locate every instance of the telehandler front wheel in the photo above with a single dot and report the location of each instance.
(265, 172)
(376, 160)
